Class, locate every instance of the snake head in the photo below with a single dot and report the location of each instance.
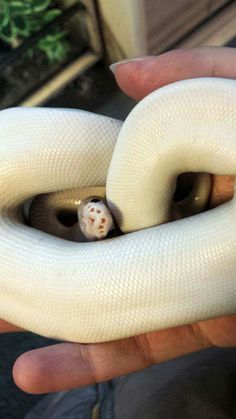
(95, 219)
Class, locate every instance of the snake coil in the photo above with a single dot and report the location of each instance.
(158, 274)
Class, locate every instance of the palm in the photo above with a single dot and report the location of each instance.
(67, 365)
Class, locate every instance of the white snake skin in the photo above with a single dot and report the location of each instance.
(160, 276)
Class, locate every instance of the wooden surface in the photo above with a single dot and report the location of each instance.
(134, 28)
(166, 22)
(169, 21)
(123, 26)
(217, 31)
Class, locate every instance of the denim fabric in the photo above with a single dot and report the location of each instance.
(197, 386)
(74, 404)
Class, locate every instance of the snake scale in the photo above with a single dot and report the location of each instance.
(157, 274)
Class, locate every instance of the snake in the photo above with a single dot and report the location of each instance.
(157, 272)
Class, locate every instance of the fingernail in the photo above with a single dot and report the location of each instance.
(114, 66)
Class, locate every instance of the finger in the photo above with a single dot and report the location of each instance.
(66, 366)
(138, 78)
(6, 327)
(221, 191)
(221, 332)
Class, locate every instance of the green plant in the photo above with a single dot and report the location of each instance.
(19, 19)
(55, 46)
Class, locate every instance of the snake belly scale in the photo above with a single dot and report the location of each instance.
(158, 274)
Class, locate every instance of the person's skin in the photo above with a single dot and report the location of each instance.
(65, 366)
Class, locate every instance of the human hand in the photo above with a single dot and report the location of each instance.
(69, 365)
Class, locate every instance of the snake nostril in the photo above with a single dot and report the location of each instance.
(67, 218)
(184, 186)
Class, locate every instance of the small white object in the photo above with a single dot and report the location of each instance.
(95, 219)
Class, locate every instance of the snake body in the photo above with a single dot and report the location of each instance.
(160, 274)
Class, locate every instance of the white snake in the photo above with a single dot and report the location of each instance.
(161, 276)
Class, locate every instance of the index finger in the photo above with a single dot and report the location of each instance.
(139, 77)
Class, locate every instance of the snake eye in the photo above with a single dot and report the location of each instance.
(95, 200)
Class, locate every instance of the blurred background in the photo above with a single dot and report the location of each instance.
(57, 53)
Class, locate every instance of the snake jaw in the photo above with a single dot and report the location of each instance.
(95, 219)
